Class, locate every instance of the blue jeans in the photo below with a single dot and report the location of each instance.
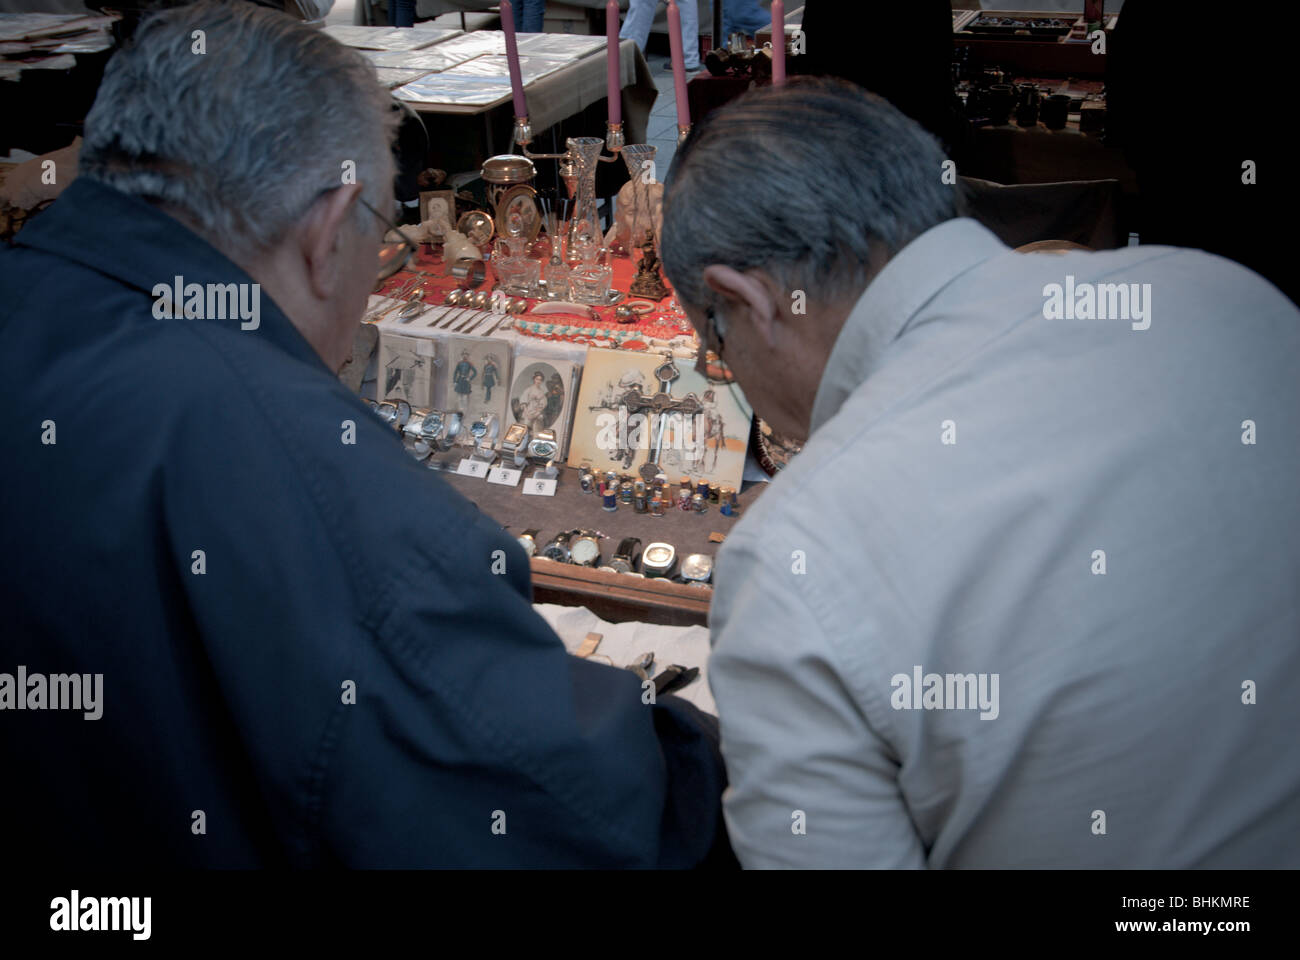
(641, 13)
(529, 14)
(401, 13)
(743, 16)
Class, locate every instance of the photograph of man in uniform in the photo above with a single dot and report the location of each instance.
(491, 375)
(464, 374)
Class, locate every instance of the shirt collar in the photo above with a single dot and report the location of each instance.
(911, 278)
(134, 242)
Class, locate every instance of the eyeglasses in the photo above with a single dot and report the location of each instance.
(714, 332)
(717, 338)
(390, 225)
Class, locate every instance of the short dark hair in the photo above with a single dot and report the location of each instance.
(804, 180)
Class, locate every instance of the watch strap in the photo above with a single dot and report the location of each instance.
(588, 645)
(673, 678)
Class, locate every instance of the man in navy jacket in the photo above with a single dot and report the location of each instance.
(296, 646)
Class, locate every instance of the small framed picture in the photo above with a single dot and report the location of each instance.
(542, 395)
(440, 207)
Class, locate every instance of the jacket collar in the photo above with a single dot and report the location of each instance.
(134, 242)
(912, 278)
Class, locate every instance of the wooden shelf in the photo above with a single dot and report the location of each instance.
(619, 597)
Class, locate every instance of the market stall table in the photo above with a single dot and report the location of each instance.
(552, 97)
(614, 596)
(462, 79)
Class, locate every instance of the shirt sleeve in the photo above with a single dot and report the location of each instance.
(812, 785)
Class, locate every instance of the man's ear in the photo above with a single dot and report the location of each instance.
(745, 293)
(321, 238)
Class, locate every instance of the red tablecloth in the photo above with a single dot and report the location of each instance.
(659, 324)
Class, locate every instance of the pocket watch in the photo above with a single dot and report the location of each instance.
(658, 560)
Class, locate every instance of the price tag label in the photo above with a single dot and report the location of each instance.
(504, 476)
(540, 487)
(469, 467)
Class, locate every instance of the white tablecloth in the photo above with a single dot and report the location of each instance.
(622, 643)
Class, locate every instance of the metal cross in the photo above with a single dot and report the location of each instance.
(661, 403)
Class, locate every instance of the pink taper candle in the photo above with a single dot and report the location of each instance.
(512, 58)
(778, 42)
(613, 74)
(679, 64)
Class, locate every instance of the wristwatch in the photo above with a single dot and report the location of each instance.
(558, 548)
(528, 540)
(440, 428)
(412, 439)
(658, 560)
(543, 447)
(697, 569)
(483, 434)
(624, 560)
(395, 413)
(515, 443)
(585, 548)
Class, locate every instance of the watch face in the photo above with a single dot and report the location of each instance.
(555, 552)
(542, 448)
(697, 567)
(432, 425)
(658, 559)
(516, 433)
(585, 552)
(416, 447)
(620, 565)
(529, 545)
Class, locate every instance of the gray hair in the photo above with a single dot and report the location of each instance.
(241, 138)
(803, 181)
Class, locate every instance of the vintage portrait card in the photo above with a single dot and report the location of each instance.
(615, 426)
(542, 395)
(477, 379)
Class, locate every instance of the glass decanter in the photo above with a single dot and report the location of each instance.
(556, 275)
(589, 280)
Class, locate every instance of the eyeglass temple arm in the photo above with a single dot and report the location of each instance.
(392, 226)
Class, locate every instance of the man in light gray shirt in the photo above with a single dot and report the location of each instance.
(1030, 595)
